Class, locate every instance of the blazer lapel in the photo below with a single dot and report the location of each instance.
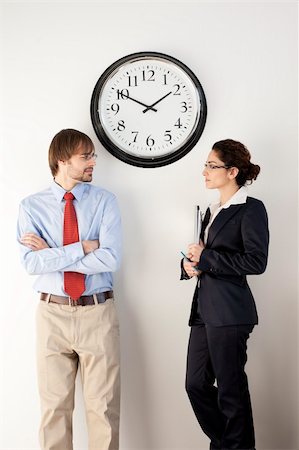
(205, 223)
(220, 220)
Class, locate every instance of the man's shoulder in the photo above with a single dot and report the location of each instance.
(39, 196)
(99, 191)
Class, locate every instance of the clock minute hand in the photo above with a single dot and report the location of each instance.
(158, 101)
(140, 103)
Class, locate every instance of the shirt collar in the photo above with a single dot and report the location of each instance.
(238, 198)
(59, 192)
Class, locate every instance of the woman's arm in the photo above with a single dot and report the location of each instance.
(252, 259)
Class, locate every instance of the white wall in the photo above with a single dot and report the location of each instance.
(245, 55)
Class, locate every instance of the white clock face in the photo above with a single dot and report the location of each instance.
(148, 109)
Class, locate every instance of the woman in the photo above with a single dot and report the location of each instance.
(234, 243)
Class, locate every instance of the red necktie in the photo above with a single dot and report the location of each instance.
(74, 284)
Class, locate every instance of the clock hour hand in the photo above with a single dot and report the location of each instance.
(154, 104)
(140, 103)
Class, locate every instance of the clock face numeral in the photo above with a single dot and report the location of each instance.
(178, 123)
(150, 141)
(115, 108)
(184, 107)
(136, 134)
(149, 108)
(148, 75)
(177, 88)
(121, 125)
(132, 80)
(122, 94)
(167, 135)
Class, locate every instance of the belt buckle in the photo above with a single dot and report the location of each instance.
(72, 302)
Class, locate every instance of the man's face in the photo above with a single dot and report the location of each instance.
(80, 166)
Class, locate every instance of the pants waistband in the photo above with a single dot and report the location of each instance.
(84, 300)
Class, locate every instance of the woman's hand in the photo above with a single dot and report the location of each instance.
(195, 251)
(189, 268)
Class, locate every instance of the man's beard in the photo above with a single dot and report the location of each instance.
(84, 177)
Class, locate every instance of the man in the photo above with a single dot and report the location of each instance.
(69, 235)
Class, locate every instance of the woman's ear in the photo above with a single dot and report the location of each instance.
(233, 172)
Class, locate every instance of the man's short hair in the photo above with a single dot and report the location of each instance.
(65, 144)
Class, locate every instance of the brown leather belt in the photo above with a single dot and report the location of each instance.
(85, 300)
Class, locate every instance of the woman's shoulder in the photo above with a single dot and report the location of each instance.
(251, 201)
(254, 205)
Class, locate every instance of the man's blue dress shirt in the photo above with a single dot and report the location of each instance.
(98, 218)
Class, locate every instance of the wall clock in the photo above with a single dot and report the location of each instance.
(148, 109)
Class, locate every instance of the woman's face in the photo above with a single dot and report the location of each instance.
(217, 176)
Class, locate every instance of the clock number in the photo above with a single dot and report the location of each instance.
(136, 134)
(115, 108)
(132, 83)
(123, 94)
(184, 107)
(121, 125)
(178, 123)
(167, 135)
(178, 87)
(151, 77)
(150, 141)
(164, 76)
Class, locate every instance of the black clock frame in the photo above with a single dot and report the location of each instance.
(158, 161)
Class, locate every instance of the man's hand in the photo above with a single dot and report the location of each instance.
(33, 241)
(90, 246)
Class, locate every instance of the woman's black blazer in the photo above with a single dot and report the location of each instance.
(237, 246)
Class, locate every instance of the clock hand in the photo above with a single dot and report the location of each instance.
(140, 103)
(158, 101)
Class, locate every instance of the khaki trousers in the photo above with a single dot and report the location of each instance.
(87, 337)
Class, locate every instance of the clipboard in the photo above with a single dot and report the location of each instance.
(198, 216)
